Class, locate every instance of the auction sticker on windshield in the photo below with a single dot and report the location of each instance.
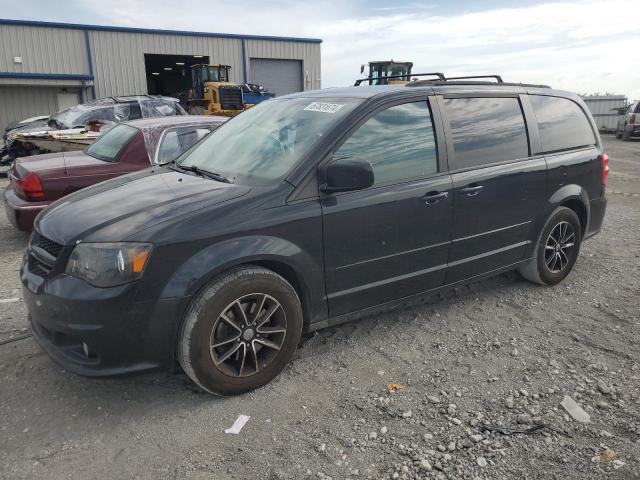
(324, 107)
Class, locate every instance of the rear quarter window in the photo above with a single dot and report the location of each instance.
(562, 123)
(486, 130)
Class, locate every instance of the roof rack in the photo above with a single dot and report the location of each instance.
(442, 80)
(434, 74)
(475, 77)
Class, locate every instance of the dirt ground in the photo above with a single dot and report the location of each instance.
(501, 353)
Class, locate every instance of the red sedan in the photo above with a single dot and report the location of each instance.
(40, 180)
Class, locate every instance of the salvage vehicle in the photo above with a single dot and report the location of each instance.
(76, 127)
(628, 127)
(309, 210)
(38, 181)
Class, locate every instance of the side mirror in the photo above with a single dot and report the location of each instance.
(347, 175)
(362, 68)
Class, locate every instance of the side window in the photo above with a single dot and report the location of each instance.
(562, 123)
(178, 140)
(486, 130)
(637, 109)
(399, 142)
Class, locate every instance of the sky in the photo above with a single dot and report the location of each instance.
(582, 46)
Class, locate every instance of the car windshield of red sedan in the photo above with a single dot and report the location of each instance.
(263, 143)
(109, 145)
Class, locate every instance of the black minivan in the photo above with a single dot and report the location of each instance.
(308, 210)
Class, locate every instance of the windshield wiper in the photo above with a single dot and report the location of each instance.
(205, 173)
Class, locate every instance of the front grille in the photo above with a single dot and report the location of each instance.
(231, 98)
(49, 246)
(43, 254)
(39, 267)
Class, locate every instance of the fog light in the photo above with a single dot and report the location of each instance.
(85, 349)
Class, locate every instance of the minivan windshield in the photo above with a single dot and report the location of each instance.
(263, 143)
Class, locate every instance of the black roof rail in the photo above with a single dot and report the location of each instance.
(434, 74)
(432, 83)
(475, 77)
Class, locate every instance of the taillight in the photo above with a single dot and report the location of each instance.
(30, 186)
(632, 119)
(604, 158)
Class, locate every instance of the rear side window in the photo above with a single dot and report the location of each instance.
(637, 109)
(399, 142)
(486, 130)
(109, 145)
(178, 140)
(562, 123)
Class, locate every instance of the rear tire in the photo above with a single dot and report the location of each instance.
(240, 331)
(557, 249)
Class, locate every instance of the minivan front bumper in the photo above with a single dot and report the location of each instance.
(99, 331)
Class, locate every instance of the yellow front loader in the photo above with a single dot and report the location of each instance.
(388, 68)
(211, 93)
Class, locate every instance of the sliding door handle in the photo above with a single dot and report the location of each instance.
(434, 197)
(471, 190)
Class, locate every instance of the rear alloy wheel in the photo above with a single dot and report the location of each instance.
(241, 331)
(557, 249)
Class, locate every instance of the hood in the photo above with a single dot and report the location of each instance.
(30, 128)
(34, 124)
(116, 209)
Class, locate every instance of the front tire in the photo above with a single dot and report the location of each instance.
(557, 249)
(240, 331)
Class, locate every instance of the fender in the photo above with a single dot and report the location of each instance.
(568, 193)
(217, 258)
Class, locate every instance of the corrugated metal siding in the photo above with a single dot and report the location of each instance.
(118, 61)
(18, 103)
(118, 57)
(43, 50)
(309, 53)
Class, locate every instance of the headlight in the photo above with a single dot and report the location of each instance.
(108, 264)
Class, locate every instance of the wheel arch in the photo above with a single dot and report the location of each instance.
(575, 198)
(273, 253)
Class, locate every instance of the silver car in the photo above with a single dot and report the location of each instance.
(629, 124)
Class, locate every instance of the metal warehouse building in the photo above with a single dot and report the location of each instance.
(45, 67)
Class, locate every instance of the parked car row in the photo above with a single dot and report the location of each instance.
(302, 212)
(629, 123)
(37, 181)
(76, 127)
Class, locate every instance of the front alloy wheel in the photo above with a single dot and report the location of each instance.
(240, 331)
(248, 335)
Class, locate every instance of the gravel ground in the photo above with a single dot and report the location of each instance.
(498, 354)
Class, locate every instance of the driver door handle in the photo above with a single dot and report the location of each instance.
(434, 197)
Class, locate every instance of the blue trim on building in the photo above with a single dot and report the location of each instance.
(87, 41)
(46, 76)
(105, 28)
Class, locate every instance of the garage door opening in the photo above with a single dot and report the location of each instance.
(170, 74)
(278, 76)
